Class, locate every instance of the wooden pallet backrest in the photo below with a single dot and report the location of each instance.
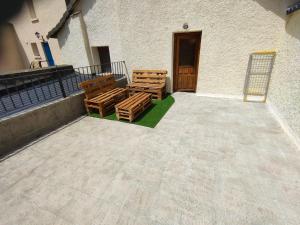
(97, 86)
(149, 76)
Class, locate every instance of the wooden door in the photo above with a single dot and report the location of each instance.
(186, 60)
(48, 53)
(104, 57)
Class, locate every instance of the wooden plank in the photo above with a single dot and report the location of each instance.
(150, 81)
(137, 100)
(98, 85)
(150, 71)
(109, 94)
(140, 110)
(127, 102)
(107, 101)
(151, 75)
(143, 97)
(154, 86)
(106, 95)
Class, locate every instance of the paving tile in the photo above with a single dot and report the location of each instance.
(225, 162)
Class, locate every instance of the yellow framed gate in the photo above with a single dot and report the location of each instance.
(258, 75)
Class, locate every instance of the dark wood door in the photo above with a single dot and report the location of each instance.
(104, 57)
(186, 60)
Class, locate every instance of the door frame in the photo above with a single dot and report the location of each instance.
(175, 57)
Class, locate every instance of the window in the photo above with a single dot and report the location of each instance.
(31, 9)
(35, 50)
(187, 52)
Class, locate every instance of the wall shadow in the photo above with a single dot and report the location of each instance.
(12, 53)
(21, 50)
(64, 34)
(292, 26)
(86, 6)
(279, 8)
(276, 6)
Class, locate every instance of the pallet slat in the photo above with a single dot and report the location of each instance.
(97, 86)
(106, 95)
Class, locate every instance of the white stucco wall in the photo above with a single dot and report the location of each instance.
(231, 30)
(285, 83)
(102, 25)
(141, 33)
(71, 43)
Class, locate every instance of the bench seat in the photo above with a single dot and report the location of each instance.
(149, 81)
(106, 102)
(101, 94)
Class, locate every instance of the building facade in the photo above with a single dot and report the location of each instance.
(12, 54)
(146, 35)
(24, 38)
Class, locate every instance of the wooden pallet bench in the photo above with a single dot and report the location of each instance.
(101, 94)
(133, 106)
(149, 81)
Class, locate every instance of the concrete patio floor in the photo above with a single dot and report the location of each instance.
(209, 161)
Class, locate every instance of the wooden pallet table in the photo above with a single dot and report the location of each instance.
(133, 106)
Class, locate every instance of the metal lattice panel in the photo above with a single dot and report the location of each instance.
(259, 74)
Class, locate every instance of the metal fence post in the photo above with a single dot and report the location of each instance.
(127, 75)
(93, 72)
(61, 84)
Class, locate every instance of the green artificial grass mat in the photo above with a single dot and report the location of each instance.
(150, 117)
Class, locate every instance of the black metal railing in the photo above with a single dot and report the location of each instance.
(27, 90)
(118, 69)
